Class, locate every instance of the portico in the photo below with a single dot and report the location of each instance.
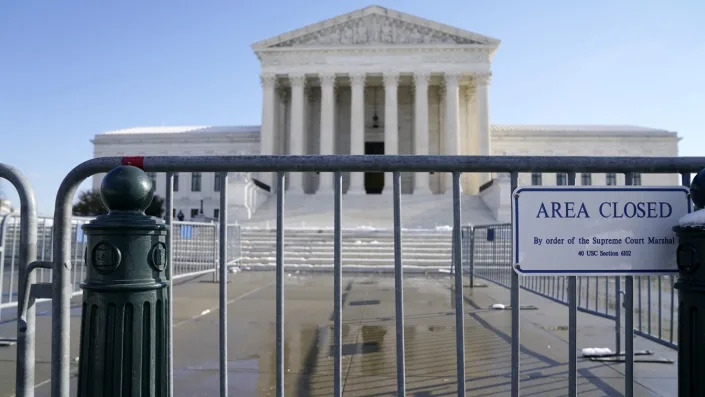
(376, 78)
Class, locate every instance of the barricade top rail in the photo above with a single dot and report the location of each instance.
(433, 163)
(192, 223)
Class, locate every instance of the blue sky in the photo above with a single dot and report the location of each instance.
(73, 69)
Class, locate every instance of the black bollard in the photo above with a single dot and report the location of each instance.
(124, 338)
(690, 257)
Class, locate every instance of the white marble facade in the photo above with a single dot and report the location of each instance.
(427, 83)
(193, 192)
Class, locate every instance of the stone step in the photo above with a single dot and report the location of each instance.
(344, 237)
(389, 240)
(346, 261)
(345, 232)
(362, 230)
(348, 268)
(347, 248)
(362, 248)
(368, 255)
(349, 242)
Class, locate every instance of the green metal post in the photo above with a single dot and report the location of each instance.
(690, 257)
(124, 338)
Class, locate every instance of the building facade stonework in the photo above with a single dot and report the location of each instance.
(378, 81)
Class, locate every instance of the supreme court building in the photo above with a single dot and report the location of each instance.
(379, 81)
(375, 81)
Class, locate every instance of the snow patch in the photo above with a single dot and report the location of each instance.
(444, 228)
(498, 306)
(693, 219)
(596, 351)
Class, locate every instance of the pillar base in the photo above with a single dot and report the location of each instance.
(356, 192)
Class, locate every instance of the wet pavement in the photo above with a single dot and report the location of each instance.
(369, 363)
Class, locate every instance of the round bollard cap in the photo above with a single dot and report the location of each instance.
(697, 189)
(127, 188)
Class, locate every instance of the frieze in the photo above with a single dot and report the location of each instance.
(375, 29)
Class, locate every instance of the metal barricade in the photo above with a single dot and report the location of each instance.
(9, 244)
(487, 255)
(195, 252)
(195, 248)
(280, 165)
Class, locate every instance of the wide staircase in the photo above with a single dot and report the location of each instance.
(364, 249)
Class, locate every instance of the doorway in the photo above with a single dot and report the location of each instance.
(374, 181)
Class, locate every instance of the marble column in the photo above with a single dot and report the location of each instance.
(267, 137)
(327, 139)
(297, 144)
(482, 127)
(357, 129)
(421, 145)
(472, 138)
(451, 138)
(391, 123)
(282, 139)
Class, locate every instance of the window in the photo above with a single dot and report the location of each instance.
(176, 182)
(636, 179)
(216, 213)
(536, 178)
(194, 212)
(153, 177)
(586, 179)
(196, 182)
(218, 181)
(611, 179)
(561, 179)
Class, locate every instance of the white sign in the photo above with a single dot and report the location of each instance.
(596, 230)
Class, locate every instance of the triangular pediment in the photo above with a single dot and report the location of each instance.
(375, 26)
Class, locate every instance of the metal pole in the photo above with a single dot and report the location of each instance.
(223, 286)
(337, 287)
(24, 378)
(280, 286)
(659, 307)
(61, 272)
(169, 218)
(399, 284)
(471, 254)
(573, 324)
(638, 293)
(459, 311)
(516, 343)
(618, 314)
(3, 235)
(629, 323)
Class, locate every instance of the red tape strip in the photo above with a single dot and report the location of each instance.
(137, 161)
